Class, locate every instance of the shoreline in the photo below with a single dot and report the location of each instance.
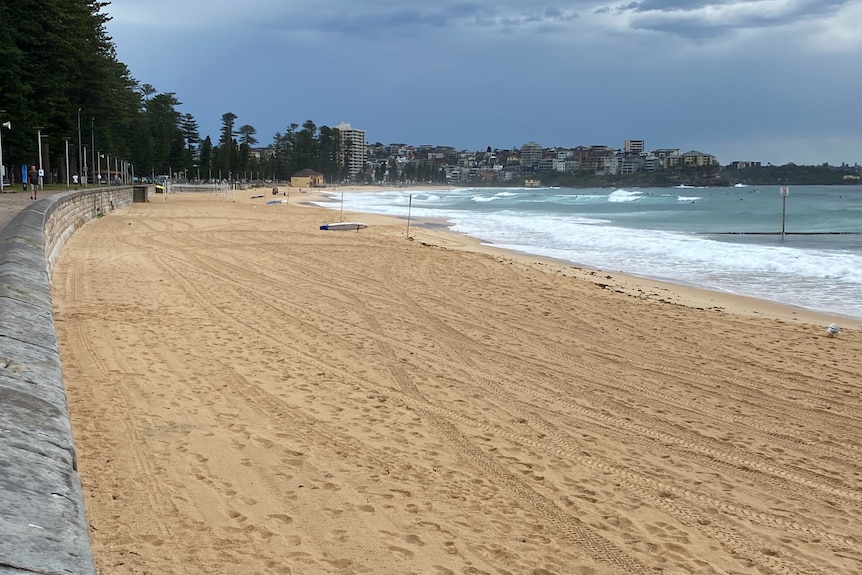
(642, 287)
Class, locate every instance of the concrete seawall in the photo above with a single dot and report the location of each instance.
(43, 528)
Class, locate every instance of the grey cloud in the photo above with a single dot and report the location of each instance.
(558, 15)
(682, 18)
(370, 24)
(410, 19)
(674, 5)
(799, 7)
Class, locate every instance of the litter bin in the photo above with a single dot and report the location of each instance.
(139, 193)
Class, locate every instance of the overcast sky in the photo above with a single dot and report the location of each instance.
(765, 80)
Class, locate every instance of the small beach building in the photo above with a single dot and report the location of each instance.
(307, 179)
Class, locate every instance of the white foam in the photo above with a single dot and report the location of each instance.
(624, 196)
(576, 227)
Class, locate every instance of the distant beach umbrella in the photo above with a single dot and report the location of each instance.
(833, 329)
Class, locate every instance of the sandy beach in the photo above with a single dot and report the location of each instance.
(250, 394)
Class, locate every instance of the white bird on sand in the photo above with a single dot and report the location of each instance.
(833, 329)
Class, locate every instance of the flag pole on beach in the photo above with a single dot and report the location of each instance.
(409, 209)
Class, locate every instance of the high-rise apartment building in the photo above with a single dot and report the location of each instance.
(634, 146)
(531, 153)
(353, 149)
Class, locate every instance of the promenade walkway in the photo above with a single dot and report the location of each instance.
(12, 202)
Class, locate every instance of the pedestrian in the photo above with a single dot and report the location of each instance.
(75, 180)
(33, 178)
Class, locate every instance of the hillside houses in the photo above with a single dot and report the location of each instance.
(403, 162)
(359, 161)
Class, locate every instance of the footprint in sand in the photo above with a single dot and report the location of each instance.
(414, 540)
(405, 553)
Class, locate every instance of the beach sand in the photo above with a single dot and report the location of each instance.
(250, 394)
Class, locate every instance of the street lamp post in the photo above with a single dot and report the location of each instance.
(93, 143)
(39, 137)
(2, 165)
(82, 161)
(66, 138)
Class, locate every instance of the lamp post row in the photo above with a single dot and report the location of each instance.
(82, 154)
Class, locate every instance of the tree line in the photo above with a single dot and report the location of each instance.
(61, 83)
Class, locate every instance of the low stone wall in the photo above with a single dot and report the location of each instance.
(43, 528)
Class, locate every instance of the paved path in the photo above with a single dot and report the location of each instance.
(12, 202)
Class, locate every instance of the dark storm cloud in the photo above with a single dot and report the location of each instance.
(773, 79)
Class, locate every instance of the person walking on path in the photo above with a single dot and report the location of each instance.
(75, 180)
(33, 178)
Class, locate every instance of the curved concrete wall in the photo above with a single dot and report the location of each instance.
(43, 528)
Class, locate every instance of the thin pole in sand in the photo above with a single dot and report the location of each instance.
(409, 209)
(341, 213)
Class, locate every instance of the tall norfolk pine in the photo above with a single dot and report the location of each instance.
(56, 58)
(58, 65)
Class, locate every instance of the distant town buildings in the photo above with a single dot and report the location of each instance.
(405, 163)
(742, 165)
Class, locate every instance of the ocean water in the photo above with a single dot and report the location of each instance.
(725, 239)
